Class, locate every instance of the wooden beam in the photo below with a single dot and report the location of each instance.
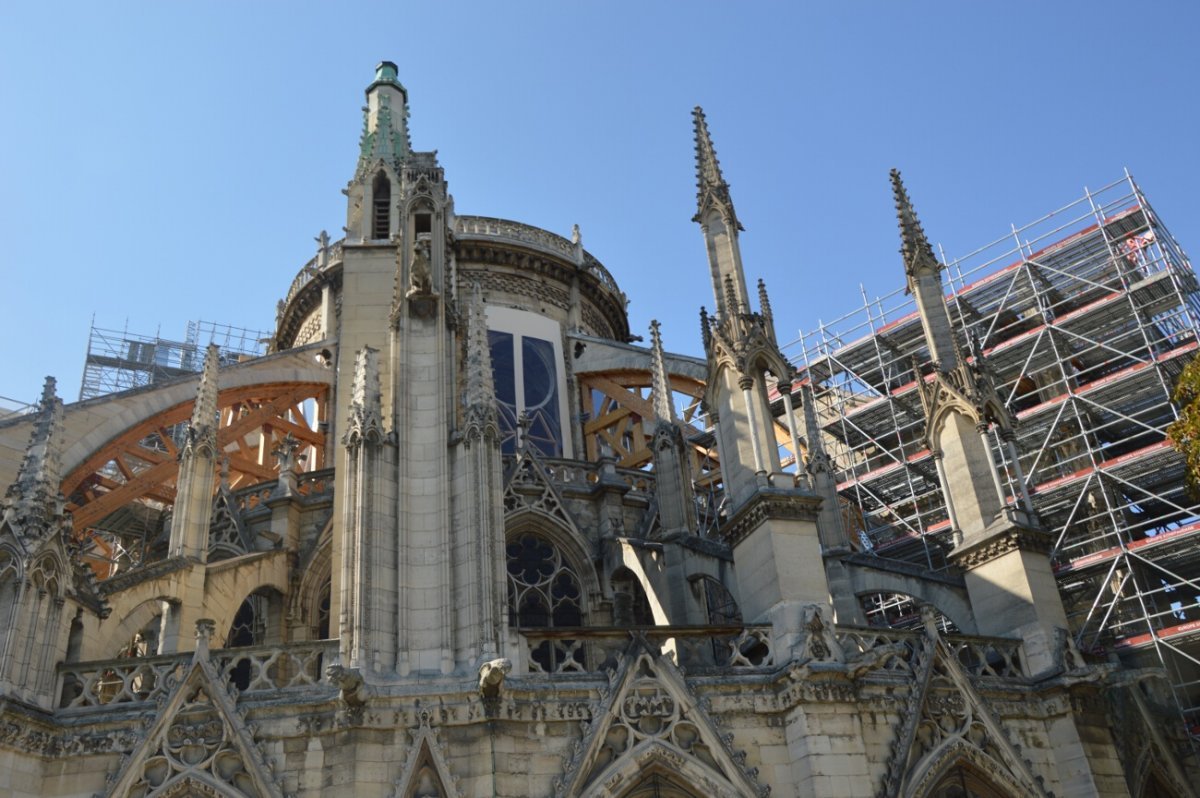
(94, 511)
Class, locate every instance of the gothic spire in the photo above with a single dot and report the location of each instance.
(385, 121)
(480, 394)
(664, 410)
(202, 431)
(914, 246)
(818, 458)
(37, 485)
(711, 189)
(924, 276)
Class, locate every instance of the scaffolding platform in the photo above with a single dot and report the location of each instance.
(1087, 316)
(118, 360)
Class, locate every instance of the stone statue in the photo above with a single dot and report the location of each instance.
(419, 275)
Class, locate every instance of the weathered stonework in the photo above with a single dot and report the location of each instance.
(458, 601)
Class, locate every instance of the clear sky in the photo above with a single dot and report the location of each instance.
(170, 161)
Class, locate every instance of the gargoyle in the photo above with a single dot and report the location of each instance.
(491, 677)
(350, 682)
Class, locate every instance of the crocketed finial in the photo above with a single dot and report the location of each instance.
(914, 246)
(660, 383)
(711, 189)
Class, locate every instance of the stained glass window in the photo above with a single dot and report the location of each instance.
(528, 379)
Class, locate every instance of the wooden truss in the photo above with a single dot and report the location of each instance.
(142, 463)
(620, 414)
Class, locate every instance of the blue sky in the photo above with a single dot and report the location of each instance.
(173, 161)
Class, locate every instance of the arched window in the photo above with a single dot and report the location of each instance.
(526, 352)
(321, 610)
(10, 585)
(544, 591)
(381, 207)
(965, 782)
(252, 626)
(719, 604)
(249, 626)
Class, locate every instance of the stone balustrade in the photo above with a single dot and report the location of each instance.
(256, 668)
(896, 650)
(137, 680)
(575, 474)
(534, 238)
(311, 270)
(697, 649)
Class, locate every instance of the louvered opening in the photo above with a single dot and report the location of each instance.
(381, 207)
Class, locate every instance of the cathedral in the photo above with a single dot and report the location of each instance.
(457, 534)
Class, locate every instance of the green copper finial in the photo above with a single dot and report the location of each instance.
(386, 71)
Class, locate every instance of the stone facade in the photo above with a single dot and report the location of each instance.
(455, 536)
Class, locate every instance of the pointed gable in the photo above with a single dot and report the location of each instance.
(425, 773)
(528, 489)
(650, 721)
(198, 742)
(947, 724)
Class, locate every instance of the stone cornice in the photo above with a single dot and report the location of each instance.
(144, 573)
(1000, 538)
(770, 504)
(531, 265)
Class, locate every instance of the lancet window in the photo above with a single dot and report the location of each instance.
(526, 351)
(321, 614)
(381, 207)
(249, 628)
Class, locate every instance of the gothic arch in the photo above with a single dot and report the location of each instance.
(380, 204)
(947, 599)
(305, 603)
(657, 784)
(690, 777)
(12, 572)
(1156, 784)
(1153, 779)
(48, 573)
(192, 784)
(130, 624)
(567, 543)
(11, 558)
(540, 580)
(929, 774)
(227, 612)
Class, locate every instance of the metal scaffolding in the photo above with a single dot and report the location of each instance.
(1087, 316)
(118, 360)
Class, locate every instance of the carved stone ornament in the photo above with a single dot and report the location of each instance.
(527, 489)
(198, 743)
(649, 715)
(767, 505)
(1011, 537)
(425, 774)
(820, 643)
(946, 722)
